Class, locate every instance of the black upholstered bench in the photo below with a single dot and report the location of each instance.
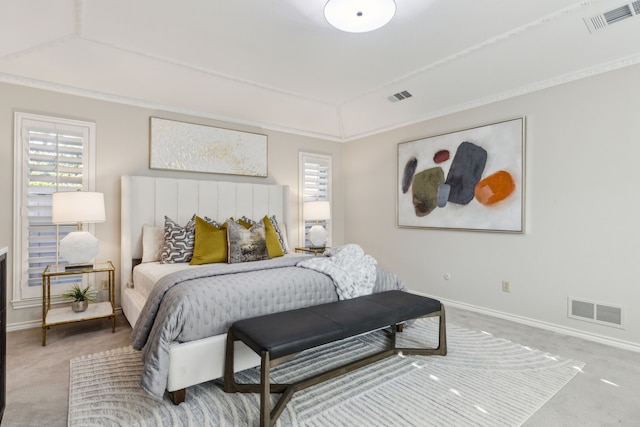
(278, 336)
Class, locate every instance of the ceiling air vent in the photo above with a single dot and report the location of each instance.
(403, 95)
(605, 314)
(602, 21)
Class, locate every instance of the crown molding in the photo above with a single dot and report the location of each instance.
(524, 90)
(134, 102)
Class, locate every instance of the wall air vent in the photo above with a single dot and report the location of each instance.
(602, 21)
(402, 95)
(604, 314)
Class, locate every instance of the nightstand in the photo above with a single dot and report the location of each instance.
(96, 310)
(310, 250)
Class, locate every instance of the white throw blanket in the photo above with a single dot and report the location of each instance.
(353, 272)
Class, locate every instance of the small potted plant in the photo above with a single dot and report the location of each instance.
(80, 297)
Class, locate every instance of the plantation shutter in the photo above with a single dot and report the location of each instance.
(316, 178)
(54, 158)
(316, 185)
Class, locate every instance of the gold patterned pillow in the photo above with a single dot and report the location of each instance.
(246, 244)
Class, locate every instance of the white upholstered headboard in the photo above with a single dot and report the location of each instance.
(146, 200)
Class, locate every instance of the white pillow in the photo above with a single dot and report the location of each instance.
(152, 242)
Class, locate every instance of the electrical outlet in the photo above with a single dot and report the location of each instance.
(105, 284)
(505, 286)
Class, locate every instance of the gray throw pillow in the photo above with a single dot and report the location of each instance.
(178, 241)
(246, 244)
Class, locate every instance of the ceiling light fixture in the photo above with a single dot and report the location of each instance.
(359, 16)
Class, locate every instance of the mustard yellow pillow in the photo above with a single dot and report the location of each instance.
(274, 248)
(210, 243)
(245, 222)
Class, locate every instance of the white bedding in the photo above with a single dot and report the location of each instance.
(147, 274)
(352, 271)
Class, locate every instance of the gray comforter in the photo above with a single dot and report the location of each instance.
(203, 302)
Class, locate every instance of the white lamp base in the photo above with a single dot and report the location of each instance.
(79, 247)
(318, 236)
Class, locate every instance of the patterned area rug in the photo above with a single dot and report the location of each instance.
(483, 381)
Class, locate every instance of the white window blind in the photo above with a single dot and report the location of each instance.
(316, 178)
(51, 155)
(315, 185)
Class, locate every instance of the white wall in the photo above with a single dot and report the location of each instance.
(582, 207)
(123, 149)
(583, 148)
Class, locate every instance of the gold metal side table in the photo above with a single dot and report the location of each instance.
(96, 310)
(310, 250)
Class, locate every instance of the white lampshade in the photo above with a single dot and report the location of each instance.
(77, 206)
(359, 16)
(318, 210)
(78, 247)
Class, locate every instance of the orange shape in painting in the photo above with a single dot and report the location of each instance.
(495, 188)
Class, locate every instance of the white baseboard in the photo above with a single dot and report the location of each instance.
(24, 325)
(36, 323)
(601, 339)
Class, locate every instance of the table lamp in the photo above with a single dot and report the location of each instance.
(78, 247)
(318, 210)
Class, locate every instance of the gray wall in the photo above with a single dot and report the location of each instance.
(123, 149)
(581, 240)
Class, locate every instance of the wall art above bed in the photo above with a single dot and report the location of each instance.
(471, 179)
(198, 148)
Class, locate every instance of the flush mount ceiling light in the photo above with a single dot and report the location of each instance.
(359, 16)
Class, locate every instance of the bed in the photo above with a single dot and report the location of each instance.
(149, 289)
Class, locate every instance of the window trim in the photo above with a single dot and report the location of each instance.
(303, 155)
(21, 298)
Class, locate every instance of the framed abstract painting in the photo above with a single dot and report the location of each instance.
(198, 148)
(471, 179)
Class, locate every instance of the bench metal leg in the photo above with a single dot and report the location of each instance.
(441, 350)
(229, 385)
(265, 392)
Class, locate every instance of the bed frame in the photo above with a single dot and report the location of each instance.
(146, 200)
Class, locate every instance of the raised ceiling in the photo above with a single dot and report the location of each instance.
(279, 65)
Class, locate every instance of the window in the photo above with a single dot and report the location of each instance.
(315, 184)
(51, 154)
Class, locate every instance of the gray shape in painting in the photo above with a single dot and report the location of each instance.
(443, 194)
(465, 172)
(409, 170)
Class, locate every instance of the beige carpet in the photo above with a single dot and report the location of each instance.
(482, 381)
